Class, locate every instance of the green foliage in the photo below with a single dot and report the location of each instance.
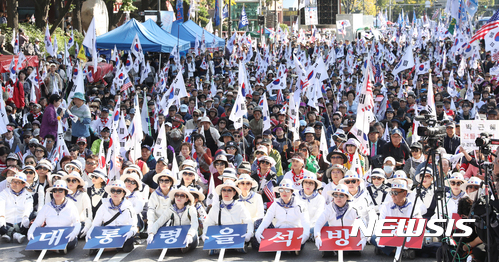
(128, 6)
(32, 32)
(284, 27)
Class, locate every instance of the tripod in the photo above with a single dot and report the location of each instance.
(439, 190)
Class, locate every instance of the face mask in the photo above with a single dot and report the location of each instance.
(439, 84)
(472, 195)
(388, 169)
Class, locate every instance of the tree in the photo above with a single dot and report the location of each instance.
(12, 14)
(65, 10)
(77, 16)
(41, 12)
(349, 5)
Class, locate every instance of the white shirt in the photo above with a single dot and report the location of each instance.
(84, 207)
(127, 217)
(329, 187)
(13, 207)
(188, 217)
(364, 205)
(236, 215)
(67, 217)
(254, 205)
(314, 207)
(329, 216)
(137, 201)
(389, 209)
(296, 216)
(156, 207)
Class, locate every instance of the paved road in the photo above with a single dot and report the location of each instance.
(15, 252)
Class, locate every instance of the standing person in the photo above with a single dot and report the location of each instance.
(181, 211)
(16, 205)
(396, 149)
(455, 182)
(49, 122)
(59, 212)
(116, 211)
(80, 127)
(53, 81)
(286, 212)
(228, 212)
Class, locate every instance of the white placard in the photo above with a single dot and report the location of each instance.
(471, 129)
(311, 16)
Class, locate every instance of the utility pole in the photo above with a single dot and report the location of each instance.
(230, 16)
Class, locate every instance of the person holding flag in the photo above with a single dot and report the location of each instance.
(80, 116)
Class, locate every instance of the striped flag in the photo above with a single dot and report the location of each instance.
(280, 97)
(491, 24)
(126, 84)
(18, 152)
(269, 191)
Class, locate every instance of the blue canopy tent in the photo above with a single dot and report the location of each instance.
(158, 32)
(188, 31)
(122, 37)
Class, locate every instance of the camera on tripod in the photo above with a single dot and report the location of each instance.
(484, 141)
(431, 131)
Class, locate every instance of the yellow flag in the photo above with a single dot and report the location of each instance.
(81, 55)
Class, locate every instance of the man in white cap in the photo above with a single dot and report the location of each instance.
(16, 205)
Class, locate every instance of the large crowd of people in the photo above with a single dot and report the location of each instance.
(292, 162)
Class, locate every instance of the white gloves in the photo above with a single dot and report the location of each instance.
(2, 222)
(30, 234)
(150, 238)
(247, 236)
(188, 240)
(84, 230)
(89, 232)
(72, 236)
(129, 234)
(303, 238)
(204, 237)
(377, 242)
(25, 222)
(259, 237)
(362, 242)
(318, 242)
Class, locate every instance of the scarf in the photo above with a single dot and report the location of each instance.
(359, 192)
(424, 191)
(160, 193)
(177, 210)
(104, 120)
(75, 195)
(198, 206)
(33, 186)
(228, 206)
(58, 208)
(94, 191)
(458, 196)
(260, 175)
(308, 198)
(248, 198)
(131, 195)
(377, 190)
(288, 205)
(406, 204)
(17, 194)
(35, 116)
(340, 211)
(299, 176)
(113, 207)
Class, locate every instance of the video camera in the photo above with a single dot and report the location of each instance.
(484, 142)
(431, 131)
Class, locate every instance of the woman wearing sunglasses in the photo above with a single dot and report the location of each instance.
(43, 169)
(80, 199)
(30, 160)
(96, 192)
(159, 201)
(287, 211)
(455, 182)
(232, 148)
(145, 189)
(40, 153)
(427, 192)
(228, 212)
(107, 215)
(361, 200)
(339, 213)
(180, 212)
(313, 201)
(16, 205)
(134, 185)
(265, 174)
(471, 187)
(252, 201)
(59, 212)
(220, 164)
(378, 190)
(189, 177)
(36, 189)
(73, 166)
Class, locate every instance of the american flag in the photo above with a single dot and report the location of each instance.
(18, 152)
(269, 191)
(127, 84)
(377, 73)
(491, 24)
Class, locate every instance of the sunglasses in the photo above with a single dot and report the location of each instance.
(195, 115)
(131, 172)
(227, 190)
(42, 168)
(309, 182)
(94, 177)
(91, 163)
(38, 151)
(428, 177)
(336, 119)
(339, 195)
(336, 157)
(180, 196)
(395, 193)
(219, 164)
(164, 181)
(59, 190)
(281, 190)
(188, 174)
(414, 150)
(133, 182)
(454, 183)
(17, 182)
(246, 183)
(29, 172)
(353, 181)
(237, 136)
(117, 191)
(473, 187)
(265, 162)
(377, 178)
(74, 180)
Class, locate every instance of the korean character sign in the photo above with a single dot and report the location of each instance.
(339, 238)
(281, 239)
(107, 237)
(50, 238)
(225, 237)
(415, 242)
(169, 237)
(471, 129)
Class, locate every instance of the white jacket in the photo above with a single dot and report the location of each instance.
(314, 207)
(137, 200)
(188, 217)
(68, 217)
(236, 215)
(13, 207)
(254, 205)
(329, 216)
(128, 216)
(156, 207)
(388, 209)
(84, 207)
(296, 216)
(363, 204)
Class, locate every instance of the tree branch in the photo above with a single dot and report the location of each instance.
(61, 17)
